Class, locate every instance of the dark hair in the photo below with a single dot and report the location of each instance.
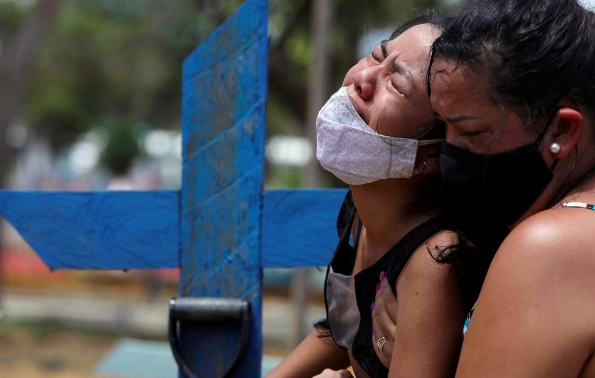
(469, 265)
(534, 53)
(429, 17)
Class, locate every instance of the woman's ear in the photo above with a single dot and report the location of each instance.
(565, 133)
(426, 161)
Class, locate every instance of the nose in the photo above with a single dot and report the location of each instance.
(365, 81)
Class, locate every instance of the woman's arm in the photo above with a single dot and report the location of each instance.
(429, 317)
(535, 314)
(311, 357)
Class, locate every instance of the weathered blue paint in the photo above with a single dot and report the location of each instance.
(223, 132)
(140, 230)
(98, 230)
(299, 227)
(219, 229)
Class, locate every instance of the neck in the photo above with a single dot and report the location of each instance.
(567, 184)
(390, 208)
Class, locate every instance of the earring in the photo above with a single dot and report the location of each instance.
(555, 148)
(424, 166)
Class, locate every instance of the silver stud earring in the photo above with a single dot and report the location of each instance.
(424, 166)
(555, 148)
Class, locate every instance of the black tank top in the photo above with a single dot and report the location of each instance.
(365, 281)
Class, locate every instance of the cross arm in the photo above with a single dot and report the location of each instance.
(97, 230)
(140, 230)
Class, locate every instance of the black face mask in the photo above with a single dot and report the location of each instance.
(483, 193)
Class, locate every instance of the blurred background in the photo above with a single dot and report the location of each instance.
(90, 99)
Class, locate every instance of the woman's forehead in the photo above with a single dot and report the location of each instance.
(411, 50)
(459, 92)
(448, 79)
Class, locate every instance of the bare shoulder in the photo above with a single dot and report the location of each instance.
(425, 256)
(550, 256)
(538, 291)
(556, 240)
(424, 269)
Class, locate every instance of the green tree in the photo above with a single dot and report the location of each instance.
(107, 60)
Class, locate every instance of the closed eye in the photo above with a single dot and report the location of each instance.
(375, 57)
(469, 134)
(395, 85)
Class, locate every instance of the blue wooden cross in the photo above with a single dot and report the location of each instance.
(221, 228)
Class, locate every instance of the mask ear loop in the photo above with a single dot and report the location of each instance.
(554, 164)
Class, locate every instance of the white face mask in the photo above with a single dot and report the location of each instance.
(348, 148)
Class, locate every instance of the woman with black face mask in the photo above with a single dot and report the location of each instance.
(513, 81)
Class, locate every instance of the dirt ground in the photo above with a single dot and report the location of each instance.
(54, 350)
(49, 350)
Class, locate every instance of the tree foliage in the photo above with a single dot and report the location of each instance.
(109, 62)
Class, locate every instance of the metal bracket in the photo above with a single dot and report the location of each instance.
(208, 311)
